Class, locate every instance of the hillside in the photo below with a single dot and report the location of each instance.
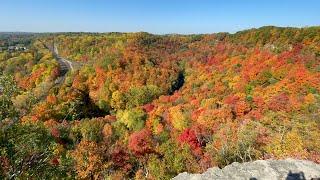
(152, 106)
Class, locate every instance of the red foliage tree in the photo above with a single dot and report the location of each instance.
(120, 157)
(231, 100)
(188, 136)
(140, 142)
(279, 103)
(148, 107)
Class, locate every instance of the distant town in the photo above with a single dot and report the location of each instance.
(15, 48)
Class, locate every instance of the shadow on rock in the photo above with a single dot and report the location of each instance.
(295, 176)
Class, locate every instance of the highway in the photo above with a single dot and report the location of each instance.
(64, 64)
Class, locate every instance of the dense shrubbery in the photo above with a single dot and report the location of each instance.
(148, 106)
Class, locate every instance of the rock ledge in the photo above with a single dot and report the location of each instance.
(289, 169)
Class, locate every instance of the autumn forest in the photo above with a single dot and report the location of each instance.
(145, 106)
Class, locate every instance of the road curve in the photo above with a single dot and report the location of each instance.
(65, 65)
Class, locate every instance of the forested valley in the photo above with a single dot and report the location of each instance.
(145, 106)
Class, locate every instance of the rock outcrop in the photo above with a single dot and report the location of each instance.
(289, 169)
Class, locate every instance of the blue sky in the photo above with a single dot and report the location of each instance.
(155, 16)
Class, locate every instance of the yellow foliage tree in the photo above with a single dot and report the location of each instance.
(286, 145)
(88, 158)
(178, 119)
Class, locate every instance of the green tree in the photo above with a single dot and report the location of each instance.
(8, 90)
(134, 119)
(174, 160)
(89, 130)
(138, 96)
(29, 151)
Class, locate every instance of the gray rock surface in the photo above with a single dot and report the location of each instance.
(289, 169)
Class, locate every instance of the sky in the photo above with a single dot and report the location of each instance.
(155, 16)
